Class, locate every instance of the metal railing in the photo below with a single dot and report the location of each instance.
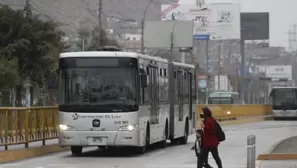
(224, 112)
(25, 125)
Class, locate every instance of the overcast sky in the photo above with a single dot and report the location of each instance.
(282, 15)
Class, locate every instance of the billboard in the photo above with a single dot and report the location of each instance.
(254, 26)
(220, 21)
(157, 34)
(279, 71)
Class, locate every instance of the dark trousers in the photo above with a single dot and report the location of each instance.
(200, 162)
(204, 156)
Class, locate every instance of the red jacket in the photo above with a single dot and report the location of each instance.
(209, 134)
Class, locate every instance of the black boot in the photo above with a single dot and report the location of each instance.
(206, 165)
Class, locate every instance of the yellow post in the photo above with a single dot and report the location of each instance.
(43, 126)
(26, 129)
(6, 129)
(235, 83)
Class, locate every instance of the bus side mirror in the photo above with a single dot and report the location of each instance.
(143, 80)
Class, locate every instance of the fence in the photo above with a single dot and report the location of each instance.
(223, 112)
(24, 125)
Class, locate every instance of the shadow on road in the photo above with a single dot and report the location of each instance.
(122, 151)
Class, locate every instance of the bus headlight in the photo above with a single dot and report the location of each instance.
(65, 127)
(128, 128)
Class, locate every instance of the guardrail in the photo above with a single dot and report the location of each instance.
(24, 125)
(224, 112)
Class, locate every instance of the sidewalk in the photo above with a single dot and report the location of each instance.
(31, 145)
(283, 155)
(278, 164)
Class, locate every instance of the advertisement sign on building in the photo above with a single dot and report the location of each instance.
(219, 21)
(279, 71)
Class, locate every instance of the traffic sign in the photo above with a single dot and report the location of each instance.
(202, 83)
(201, 37)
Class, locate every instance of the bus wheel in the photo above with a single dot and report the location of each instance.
(184, 139)
(76, 150)
(143, 149)
(164, 142)
(174, 141)
(102, 147)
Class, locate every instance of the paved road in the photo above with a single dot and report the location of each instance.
(233, 151)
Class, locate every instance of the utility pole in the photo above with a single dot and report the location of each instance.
(207, 72)
(219, 66)
(142, 26)
(28, 8)
(100, 22)
(27, 82)
(83, 44)
(142, 36)
(242, 73)
(171, 90)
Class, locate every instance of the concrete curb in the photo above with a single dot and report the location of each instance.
(277, 156)
(16, 155)
(241, 121)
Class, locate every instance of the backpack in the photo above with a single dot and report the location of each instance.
(220, 133)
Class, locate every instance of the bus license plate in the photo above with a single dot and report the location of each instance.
(98, 140)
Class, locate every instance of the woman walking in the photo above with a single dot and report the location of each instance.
(210, 140)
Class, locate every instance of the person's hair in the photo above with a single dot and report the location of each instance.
(199, 131)
(206, 112)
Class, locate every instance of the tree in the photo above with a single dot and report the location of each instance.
(29, 49)
(104, 40)
(9, 75)
(32, 42)
(84, 35)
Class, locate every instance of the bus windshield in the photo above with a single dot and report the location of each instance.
(284, 99)
(98, 85)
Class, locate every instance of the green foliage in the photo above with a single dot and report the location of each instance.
(93, 35)
(104, 40)
(31, 44)
(8, 72)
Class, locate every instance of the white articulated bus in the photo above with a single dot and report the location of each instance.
(114, 98)
(284, 102)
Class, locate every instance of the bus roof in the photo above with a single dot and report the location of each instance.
(119, 54)
(225, 92)
(98, 54)
(284, 87)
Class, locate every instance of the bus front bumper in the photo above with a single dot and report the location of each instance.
(99, 138)
(287, 113)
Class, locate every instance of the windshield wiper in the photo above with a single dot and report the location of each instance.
(121, 106)
(70, 109)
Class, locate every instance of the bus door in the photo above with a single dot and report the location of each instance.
(154, 89)
(180, 94)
